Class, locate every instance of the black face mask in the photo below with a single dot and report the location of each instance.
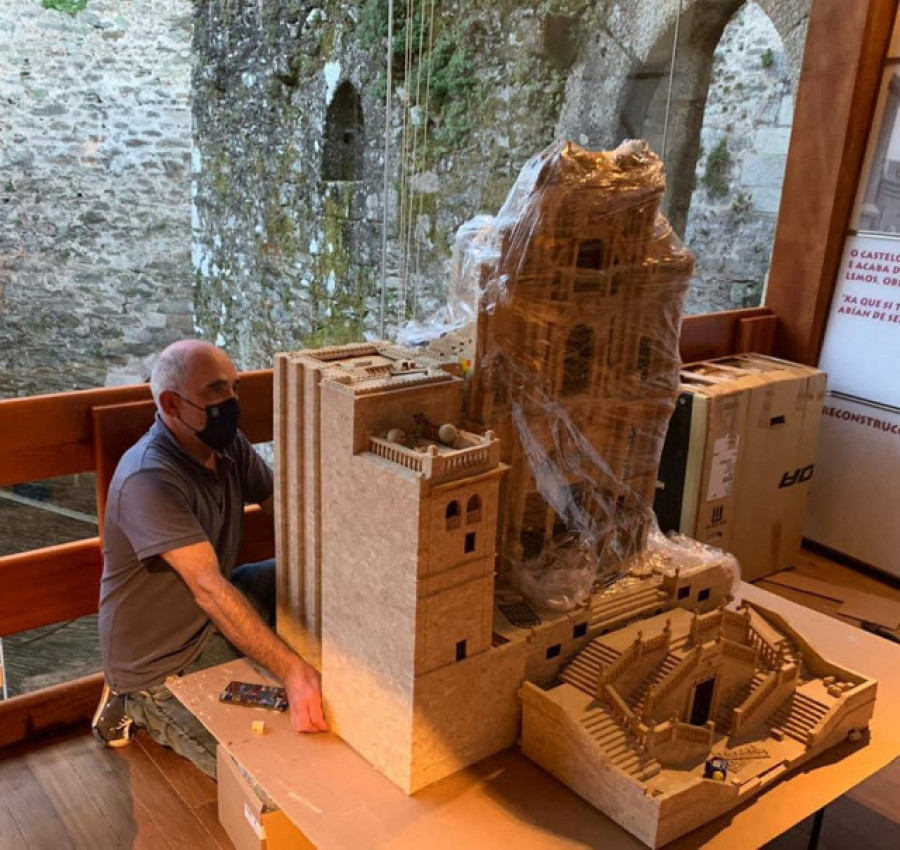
(221, 423)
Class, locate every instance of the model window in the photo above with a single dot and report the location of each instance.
(460, 650)
(452, 515)
(554, 651)
(473, 510)
(470, 542)
(703, 595)
(580, 630)
(577, 363)
(684, 592)
(591, 255)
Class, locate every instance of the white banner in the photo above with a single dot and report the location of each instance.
(861, 352)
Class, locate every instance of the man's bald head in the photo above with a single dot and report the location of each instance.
(174, 364)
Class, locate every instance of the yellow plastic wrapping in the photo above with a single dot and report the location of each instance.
(565, 313)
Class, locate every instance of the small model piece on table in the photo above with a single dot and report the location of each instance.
(401, 478)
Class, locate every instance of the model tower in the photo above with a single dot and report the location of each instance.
(388, 528)
(576, 362)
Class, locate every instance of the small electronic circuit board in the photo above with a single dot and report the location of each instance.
(258, 696)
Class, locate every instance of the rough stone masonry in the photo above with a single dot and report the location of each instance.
(95, 270)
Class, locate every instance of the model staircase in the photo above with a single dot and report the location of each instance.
(617, 746)
(583, 672)
(638, 697)
(627, 605)
(724, 715)
(797, 715)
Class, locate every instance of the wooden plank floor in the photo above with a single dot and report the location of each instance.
(68, 792)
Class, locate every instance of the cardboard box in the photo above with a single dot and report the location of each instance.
(251, 822)
(739, 457)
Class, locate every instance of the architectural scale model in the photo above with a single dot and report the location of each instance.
(400, 477)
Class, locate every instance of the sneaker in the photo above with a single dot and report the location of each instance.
(111, 725)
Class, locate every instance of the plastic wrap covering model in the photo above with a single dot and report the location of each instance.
(567, 583)
(580, 284)
(450, 333)
(668, 554)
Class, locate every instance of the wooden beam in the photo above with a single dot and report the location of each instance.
(845, 48)
(60, 583)
(49, 585)
(50, 435)
(757, 334)
(720, 334)
(49, 709)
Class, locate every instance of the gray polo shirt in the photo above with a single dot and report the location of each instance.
(160, 499)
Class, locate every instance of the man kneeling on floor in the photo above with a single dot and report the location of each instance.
(172, 599)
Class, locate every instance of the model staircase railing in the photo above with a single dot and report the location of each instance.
(638, 697)
(725, 714)
(611, 736)
(583, 671)
(749, 712)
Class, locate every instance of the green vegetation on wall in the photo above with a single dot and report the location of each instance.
(337, 297)
(445, 77)
(70, 7)
(718, 168)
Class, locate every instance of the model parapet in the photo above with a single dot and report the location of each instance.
(576, 352)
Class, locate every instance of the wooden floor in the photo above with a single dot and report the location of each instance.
(69, 792)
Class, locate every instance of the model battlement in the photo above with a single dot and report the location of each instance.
(433, 460)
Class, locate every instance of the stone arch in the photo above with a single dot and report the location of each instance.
(342, 157)
(618, 86)
(745, 136)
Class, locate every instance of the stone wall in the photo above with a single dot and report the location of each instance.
(744, 143)
(286, 258)
(95, 270)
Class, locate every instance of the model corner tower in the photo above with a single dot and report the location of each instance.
(388, 511)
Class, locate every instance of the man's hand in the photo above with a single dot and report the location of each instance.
(235, 617)
(304, 693)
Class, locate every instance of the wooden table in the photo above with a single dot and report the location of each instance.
(339, 801)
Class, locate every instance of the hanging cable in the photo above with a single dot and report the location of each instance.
(404, 163)
(665, 137)
(424, 138)
(387, 149)
(413, 217)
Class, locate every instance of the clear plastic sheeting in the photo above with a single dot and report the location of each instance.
(667, 554)
(564, 578)
(579, 284)
(474, 250)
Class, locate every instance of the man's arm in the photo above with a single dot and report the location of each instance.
(236, 618)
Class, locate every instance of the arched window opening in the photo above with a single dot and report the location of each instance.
(577, 364)
(343, 154)
(452, 515)
(473, 510)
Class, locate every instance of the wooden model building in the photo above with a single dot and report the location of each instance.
(398, 479)
(576, 360)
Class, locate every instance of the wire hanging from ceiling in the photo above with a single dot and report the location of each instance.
(411, 156)
(387, 151)
(423, 121)
(665, 136)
